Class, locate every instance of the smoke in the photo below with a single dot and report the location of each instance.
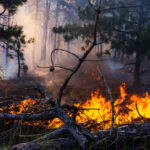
(114, 65)
(24, 18)
(34, 28)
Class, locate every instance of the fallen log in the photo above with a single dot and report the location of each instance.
(129, 133)
(61, 143)
(30, 117)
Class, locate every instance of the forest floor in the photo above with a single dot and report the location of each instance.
(85, 82)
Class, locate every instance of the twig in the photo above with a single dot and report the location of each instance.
(95, 60)
(55, 66)
(63, 51)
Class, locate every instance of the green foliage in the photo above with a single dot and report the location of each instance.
(120, 27)
(86, 14)
(85, 28)
(133, 32)
(11, 33)
(11, 5)
(74, 31)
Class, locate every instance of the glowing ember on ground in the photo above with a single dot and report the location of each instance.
(22, 107)
(96, 113)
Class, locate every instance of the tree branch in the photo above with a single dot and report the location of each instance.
(119, 7)
(111, 97)
(63, 51)
(81, 60)
(30, 117)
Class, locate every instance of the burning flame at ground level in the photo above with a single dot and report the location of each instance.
(128, 109)
(96, 113)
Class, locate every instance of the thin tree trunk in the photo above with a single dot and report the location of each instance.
(18, 57)
(45, 35)
(7, 44)
(35, 29)
(55, 34)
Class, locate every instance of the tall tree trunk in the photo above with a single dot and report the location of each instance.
(6, 21)
(18, 57)
(7, 44)
(45, 34)
(137, 79)
(56, 35)
(35, 29)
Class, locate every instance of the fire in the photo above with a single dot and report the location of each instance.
(96, 113)
(128, 109)
(22, 107)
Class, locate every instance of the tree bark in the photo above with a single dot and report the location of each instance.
(129, 133)
(18, 57)
(29, 117)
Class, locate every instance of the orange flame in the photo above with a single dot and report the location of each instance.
(128, 109)
(22, 107)
(96, 113)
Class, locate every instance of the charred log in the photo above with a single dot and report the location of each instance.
(126, 133)
(29, 117)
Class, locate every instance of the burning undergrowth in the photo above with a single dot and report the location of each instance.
(95, 113)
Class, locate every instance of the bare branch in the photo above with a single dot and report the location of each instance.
(30, 117)
(81, 60)
(95, 60)
(111, 97)
(62, 130)
(63, 51)
(56, 66)
(122, 31)
(80, 138)
(119, 7)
